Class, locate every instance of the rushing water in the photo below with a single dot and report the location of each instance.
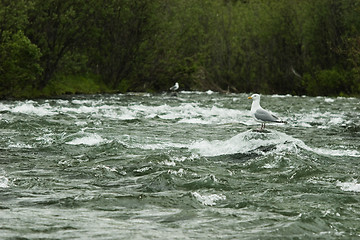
(187, 167)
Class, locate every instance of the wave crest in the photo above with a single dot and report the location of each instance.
(250, 141)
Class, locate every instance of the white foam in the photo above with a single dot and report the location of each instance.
(29, 108)
(349, 186)
(4, 107)
(180, 172)
(118, 112)
(62, 102)
(20, 145)
(248, 141)
(143, 169)
(323, 120)
(241, 143)
(336, 152)
(189, 113)
(329, 100)
(280, 96)
(194, 114)
(46, 139)
(4, 182)
(270, 165)
(168, 163)
(194, 121)
(156, 146)
(89, 140)
(106, 168)
(304, 124)
(192, 157)
(80, 123)
(196, 92)
(208, 199)
(337, 120)
(86, 109)
(125, 114)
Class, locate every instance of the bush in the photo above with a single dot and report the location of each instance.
(19, 65)
(325, 82)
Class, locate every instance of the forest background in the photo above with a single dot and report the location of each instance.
(54, 47)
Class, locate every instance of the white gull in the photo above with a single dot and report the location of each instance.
(260, 114)
(175, 87)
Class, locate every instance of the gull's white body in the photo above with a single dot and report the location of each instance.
(175, 87)
(260, 114)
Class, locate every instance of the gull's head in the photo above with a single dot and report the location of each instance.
(254, 97)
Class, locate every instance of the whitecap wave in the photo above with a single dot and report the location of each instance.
(281, 96)
(180, 172)
(4, 182)
(4, 107)
(189, 113)
(329, 100)
(242, 143)
(157, 146)
(20, 145)
(336, 152)
(89, 140)
(321, 119)
(192, 113)
(248, 141)
(349, 186)
(208, 199)
(104, 167)
(197, 92)
(29, 108)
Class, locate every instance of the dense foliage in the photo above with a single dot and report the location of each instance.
(50, 47)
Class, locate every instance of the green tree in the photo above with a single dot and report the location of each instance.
(60, 28)
(283, 46)
(19, 65)
(19, 58)
(329, 28)
(121, 27)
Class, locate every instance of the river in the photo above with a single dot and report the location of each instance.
(191, 166)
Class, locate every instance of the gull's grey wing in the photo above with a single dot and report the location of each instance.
(263, 115)
(173, 88)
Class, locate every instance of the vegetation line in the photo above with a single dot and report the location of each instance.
(52, 47)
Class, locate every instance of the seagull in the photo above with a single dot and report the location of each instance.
(175, 87)
(260, 114)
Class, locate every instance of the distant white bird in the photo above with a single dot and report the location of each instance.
(260, 114)
(175, 87)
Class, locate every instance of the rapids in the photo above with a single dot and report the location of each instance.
(154, 166)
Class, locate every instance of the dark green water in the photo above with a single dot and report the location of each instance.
(185, 167)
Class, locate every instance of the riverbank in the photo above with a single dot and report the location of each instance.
(91, 84)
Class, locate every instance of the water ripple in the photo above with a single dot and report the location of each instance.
(192, 166)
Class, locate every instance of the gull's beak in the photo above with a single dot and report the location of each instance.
(249, 97)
